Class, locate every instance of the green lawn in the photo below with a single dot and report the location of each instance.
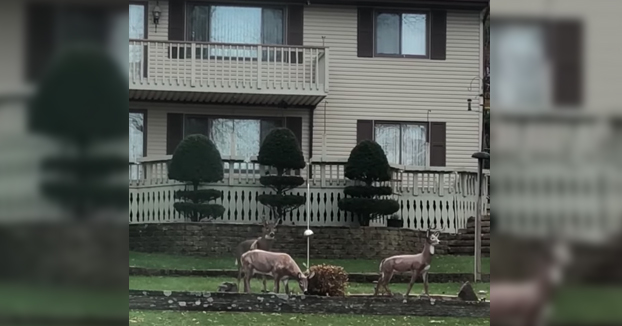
(440, 264)
(173, 318)
(212, 283)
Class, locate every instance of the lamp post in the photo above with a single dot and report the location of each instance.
(308, 233)
(480, 156)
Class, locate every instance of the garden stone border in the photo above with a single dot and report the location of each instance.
(282, 303)
(352, 277)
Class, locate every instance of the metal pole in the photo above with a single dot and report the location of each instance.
(480, 156)
(478, 224)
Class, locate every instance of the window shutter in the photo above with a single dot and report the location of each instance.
(40, 22)
(295, 125)
(438, 144)
(176, 28)
(365, 33)
(295, 23)
(566, 42)
(364, 130)
(174, 131)
(438, 41)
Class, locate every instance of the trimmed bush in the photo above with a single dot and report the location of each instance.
(82, 113)
(368, 164)
(367, 191)
(329, 281)
(280, 150)
(195, 161)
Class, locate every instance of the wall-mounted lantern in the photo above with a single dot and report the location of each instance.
(156, 15)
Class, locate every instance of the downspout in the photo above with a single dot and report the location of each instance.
(483, 16)
(311, 133)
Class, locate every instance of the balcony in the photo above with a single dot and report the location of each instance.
(228, 73)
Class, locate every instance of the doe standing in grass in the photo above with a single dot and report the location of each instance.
(264, 242)
(418, 264)
(279, 265)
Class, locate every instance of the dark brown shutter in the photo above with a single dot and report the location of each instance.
(174, 131)
(365, 33)
(364, 130)
(295, 125)
(438, 144)
(566, 50)
(40, 23)
(176, 15)
(295, 23)
(438, 35)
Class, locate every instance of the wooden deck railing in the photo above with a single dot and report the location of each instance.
(221, 66)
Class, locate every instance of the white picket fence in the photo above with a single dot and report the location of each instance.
(429, 198)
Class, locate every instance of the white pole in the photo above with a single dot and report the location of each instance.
(308, 232)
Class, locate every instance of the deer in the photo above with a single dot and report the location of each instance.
(264, 242)
(528, 303)
(418, 264)
(279, 265)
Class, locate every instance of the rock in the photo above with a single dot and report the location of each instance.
(228, 287)
(466, 293)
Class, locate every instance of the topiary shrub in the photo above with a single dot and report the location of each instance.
(195, 161)
(329, 281)
(368, 164)
(280, 150)
(82, 114)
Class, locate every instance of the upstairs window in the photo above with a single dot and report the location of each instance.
(401, 34)
(235, 24)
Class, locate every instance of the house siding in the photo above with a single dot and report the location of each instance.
(401, 89)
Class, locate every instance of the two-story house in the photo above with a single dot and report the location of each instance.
(400, 72)
(335, 72)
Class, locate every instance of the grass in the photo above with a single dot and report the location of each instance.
(172, 318)
(60, 301)
(440, 264)
(212, 283)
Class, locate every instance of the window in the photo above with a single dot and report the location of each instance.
(522, 74)
(404, 34)
(229, 24)
(137, 136)
(403, 143)
(232, 137)
(137, 31)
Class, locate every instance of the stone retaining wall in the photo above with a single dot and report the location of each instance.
(219, 240)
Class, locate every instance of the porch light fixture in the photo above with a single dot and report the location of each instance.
(156, 15)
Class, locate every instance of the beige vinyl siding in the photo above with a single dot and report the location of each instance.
(156, 120)
(395, 88)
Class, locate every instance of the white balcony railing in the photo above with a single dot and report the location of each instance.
(172, 65)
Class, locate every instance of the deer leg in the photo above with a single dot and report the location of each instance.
(277, 281)
(388, 278)
(379, 284)
(286, 282)
(412, 281)
(425, 283)
(239, 274)
(247, 280)
(264, 284)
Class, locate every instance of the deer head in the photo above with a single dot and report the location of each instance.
(431, 238)
(303, 281)
(269, 228)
